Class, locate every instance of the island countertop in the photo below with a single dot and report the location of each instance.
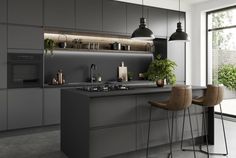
(132, 91)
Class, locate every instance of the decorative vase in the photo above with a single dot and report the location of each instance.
(160, 83)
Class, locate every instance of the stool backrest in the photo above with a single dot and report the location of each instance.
(181, 97)
(213, 96)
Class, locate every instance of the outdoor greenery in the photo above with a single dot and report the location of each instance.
(220, 39)
(227, 76)
(161, 69)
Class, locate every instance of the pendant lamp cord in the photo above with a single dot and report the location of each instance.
(179, 10)
(142, 8)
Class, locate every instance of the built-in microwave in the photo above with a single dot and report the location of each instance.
(24, 70)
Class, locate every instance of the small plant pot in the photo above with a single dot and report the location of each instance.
(160, 83)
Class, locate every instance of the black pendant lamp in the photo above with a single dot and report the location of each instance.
(179, 35)
(143, 33)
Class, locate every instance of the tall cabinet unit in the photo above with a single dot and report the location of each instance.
(114, 17)
(51, 106)
(176, 50)
(28, 12)
(59, 13)
(134, 13)
(158, 21)
(3, 56)
(25, 107)
(3, 110)
(89, 15)
(24, 37)
(3, 11)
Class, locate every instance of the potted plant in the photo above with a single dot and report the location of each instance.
(160, 70)
(130, 76)
(49, 45)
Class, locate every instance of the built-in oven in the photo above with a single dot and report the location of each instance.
(24, 70)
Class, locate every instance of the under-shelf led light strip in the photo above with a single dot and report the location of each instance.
(69, 37)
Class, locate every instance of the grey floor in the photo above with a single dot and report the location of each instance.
(45, 143)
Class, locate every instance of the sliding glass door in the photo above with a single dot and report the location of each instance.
(221, 54)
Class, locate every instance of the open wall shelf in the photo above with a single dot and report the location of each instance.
(94, 43)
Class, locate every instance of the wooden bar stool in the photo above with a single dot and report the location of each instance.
(180, 99)
(213, 96)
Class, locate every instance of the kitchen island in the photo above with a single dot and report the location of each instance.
(101, 124)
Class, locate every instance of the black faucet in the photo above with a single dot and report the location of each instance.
(92, 68)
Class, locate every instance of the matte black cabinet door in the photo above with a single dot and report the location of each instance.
(52, 106)
(89, 15)
(59, 13)
(3, 110)
(112, 141)
(118, 110)
(21, 37)
(3, 11)
(158, 21)
(25, 107)
(25, 12)
(114, 17)
(3, 56)
(176, 50)
(134, 13)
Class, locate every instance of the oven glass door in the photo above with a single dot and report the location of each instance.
(24, 73)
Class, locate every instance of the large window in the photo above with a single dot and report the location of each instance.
(221, 54)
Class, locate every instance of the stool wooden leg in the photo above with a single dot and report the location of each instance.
(183, 131)
(223, 126)
(149, 128)
(205, 129)
(171, 134)
(191, 129)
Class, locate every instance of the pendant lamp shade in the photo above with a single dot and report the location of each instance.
(143, 33)
(179, 35)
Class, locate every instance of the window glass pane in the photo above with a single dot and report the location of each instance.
(222, 19)
(221, 51)
(221, 57)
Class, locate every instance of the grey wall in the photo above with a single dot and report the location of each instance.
(76, 65)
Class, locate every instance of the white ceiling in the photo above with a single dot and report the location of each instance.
(170, 4)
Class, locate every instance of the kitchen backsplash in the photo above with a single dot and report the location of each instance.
(76, 65)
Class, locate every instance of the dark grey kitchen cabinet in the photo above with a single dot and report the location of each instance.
(134, 13)
(3, 110)
(89, 15)
(24, 37)
(3, 11)
(143, 107)
(158, 136)
(52, 106)
(176, 53)
(59, 13)
(176, 50)
(158, 21)
(29, 12)
(3, 56)
(25, 108)
(173, 19)
(118, 110)
(114, 17)
(112, 141)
